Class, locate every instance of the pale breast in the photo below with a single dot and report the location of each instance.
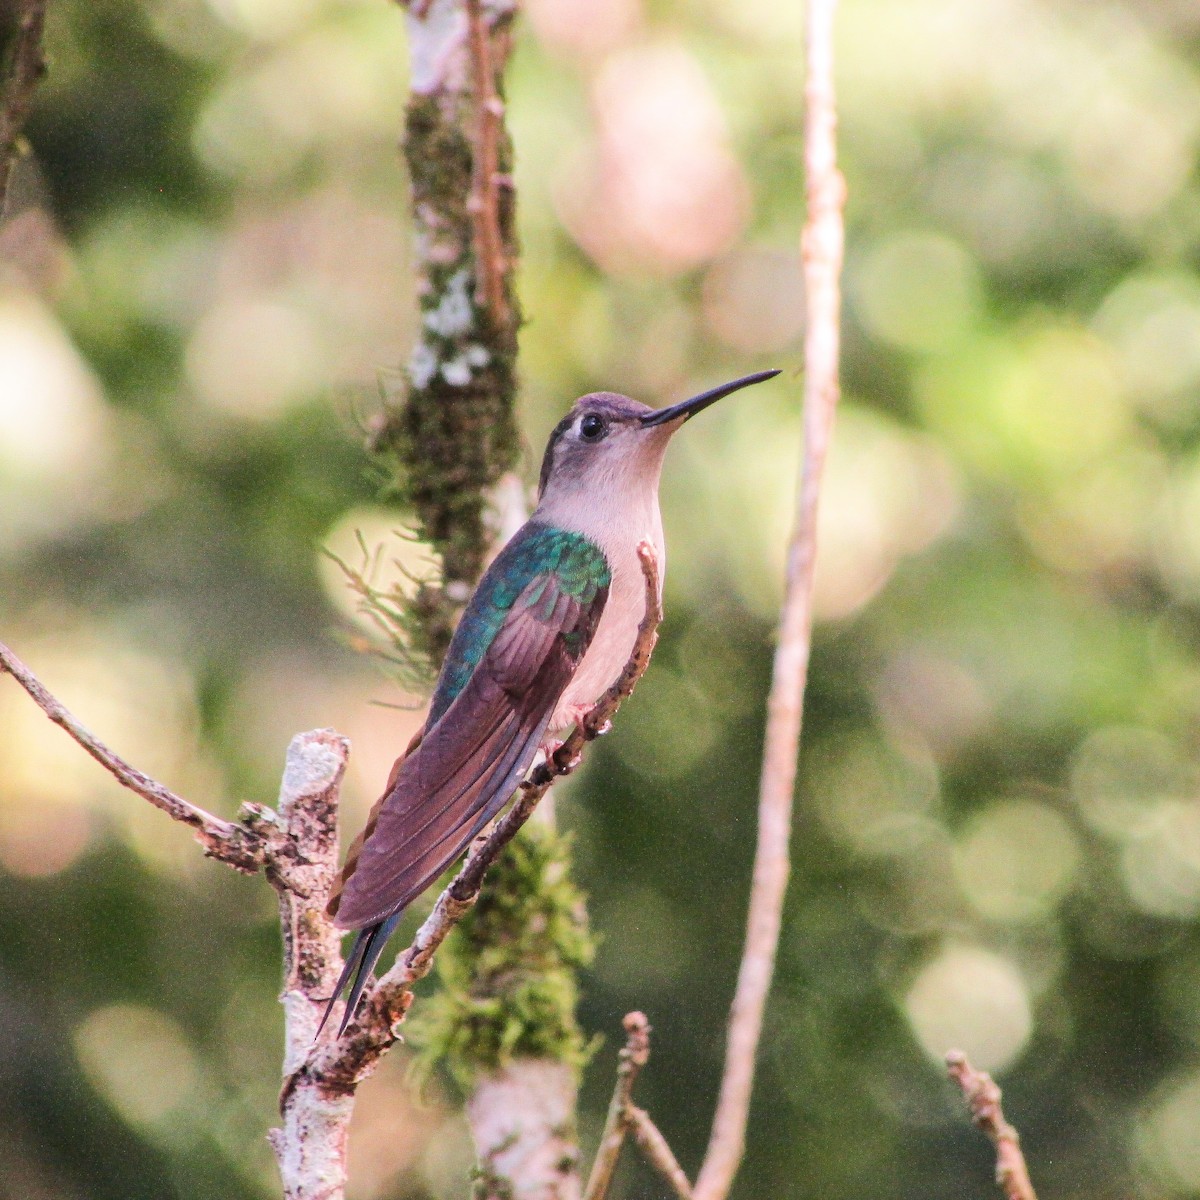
(616, 633)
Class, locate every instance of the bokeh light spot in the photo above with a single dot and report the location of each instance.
(253, 357)
(968, 998)
(140, 1060)
(754, 299)
(872, 796)
(1161, 864)
(1122, 774)
(916, 290)
(1167, 1137)
(1016, 860)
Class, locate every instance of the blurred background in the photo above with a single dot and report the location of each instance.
(204, 273)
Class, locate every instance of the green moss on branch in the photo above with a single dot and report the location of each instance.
(509, 973)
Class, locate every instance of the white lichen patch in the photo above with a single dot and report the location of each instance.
(422, 365)
(454, 313)
(434, 40)
(457, 372)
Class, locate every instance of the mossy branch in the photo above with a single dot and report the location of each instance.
(454, 435)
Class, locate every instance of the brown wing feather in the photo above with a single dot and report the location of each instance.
(469, 763)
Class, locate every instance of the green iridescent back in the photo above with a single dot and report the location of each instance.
(578, 567)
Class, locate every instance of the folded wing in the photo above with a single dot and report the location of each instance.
(468, 764)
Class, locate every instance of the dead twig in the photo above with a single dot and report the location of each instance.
(658, 1153)
(982, 1095)
(386, 1003)
(633, 1057)
(822, 244)
(26, 66)
(624, 1117)
(238, 845)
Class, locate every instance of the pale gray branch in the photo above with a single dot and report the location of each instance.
(822, 245)
(237, 845)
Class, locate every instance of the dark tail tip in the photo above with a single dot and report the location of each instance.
(368, 945)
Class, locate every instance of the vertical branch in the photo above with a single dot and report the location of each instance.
(24, 66)
(311, 1144)
(822, 245)
(491, 261)
(455, 435)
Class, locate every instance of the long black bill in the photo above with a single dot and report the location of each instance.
(689, 408)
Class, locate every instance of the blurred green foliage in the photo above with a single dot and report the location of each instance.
(203, 269)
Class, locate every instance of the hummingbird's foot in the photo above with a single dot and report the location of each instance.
(571, 714)
(575, 713)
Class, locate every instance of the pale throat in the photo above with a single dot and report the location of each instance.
(616, 518)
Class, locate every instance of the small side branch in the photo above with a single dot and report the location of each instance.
(822, 244)
(237, 845)
(633, 1057)
(658, 1153)
(982, 1095)
(25, 68)
(484, 205)
(345, 1061)
(624, 1117)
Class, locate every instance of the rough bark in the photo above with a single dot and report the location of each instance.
(454, 435)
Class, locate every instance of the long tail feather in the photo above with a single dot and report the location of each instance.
(368, 946)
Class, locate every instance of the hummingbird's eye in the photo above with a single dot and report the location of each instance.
(592, 428)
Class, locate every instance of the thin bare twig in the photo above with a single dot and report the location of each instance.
(982, 1095)
(387, 1001)
(27, 65)
(228, 841)
(822, 244)
(633, 1057)
(624, 1117)
(657, 1151)
(484, 202)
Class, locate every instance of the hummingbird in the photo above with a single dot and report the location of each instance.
(547, 631)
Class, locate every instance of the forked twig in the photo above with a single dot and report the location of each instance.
(633, 1057)
(982, 1095)
(624, 1117)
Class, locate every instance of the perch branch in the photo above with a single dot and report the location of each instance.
(822, 244)
(624, 1117)
(26, 66)
(982, 1095)
(241, 847)
(386, 1003)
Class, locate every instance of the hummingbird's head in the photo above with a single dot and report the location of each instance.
(608, 440)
